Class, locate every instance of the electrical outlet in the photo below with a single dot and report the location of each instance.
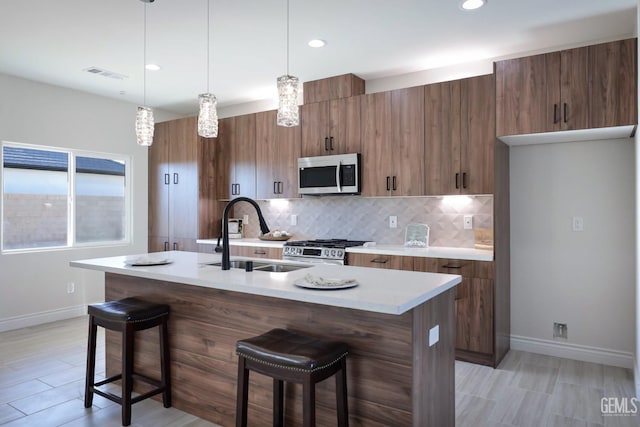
(560, 330)
(393, 221)
(577, 223)
(294, 219)
(71, 287)
(468, 222)
(245, 219)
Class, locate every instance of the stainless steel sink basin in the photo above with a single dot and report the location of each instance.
(242, 264)
(264, 266)
(280, 268)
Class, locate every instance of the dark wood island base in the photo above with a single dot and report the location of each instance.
(394, 377)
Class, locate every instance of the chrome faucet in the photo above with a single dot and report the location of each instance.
(226, 264)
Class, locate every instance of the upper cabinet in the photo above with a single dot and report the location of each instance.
(393, 143)
(181, 190)
(236, 157)
(582, 88)
(330, 127)
(277, 152)
(459, 136)
(344, 86)
(330, 117)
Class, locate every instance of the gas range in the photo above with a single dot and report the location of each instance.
(327, 251)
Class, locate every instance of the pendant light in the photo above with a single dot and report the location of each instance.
(208, 115)
(144, 116)
(288, 93)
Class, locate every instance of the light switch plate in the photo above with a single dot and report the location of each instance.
(294, 219)
(434, 335)
(393, 221)
(468, 222)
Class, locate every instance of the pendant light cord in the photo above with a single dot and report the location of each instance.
(287, 37)
(208, 42)
(144, 59)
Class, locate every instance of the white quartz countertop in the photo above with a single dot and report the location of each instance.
(245, 242)
(431, 252)
(382, 291)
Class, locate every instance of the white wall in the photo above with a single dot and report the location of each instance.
(585, 279)
(33, 285)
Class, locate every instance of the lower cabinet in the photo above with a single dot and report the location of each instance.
(475, 300)
(390, 262)
(256, 252)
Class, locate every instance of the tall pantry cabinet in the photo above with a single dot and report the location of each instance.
(181, 191)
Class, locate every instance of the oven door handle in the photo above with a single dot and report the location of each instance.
(338, 171)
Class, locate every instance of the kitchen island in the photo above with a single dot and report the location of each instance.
(394, 376)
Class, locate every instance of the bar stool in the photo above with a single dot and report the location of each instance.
(128, 316)
(287, 356)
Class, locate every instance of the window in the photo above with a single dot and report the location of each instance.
(55, 198)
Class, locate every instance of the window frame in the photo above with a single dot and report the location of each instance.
(72, 154)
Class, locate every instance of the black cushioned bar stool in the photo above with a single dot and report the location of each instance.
(128, 316)
(288, 356)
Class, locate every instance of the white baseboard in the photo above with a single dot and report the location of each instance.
(573, 351)
(33, 319)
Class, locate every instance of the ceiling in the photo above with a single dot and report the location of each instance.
(54, 41)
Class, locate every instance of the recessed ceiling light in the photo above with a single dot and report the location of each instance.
(316, 43)
(472, 4)
(152, 67)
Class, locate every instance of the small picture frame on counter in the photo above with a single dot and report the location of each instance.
(416, 236)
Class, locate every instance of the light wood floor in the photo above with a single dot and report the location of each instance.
(42, 384)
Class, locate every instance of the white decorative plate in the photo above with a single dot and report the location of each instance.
(145, 262)
(325, 283)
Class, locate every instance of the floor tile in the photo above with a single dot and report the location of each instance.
(581, 373)
(537, 378)
(579, 402)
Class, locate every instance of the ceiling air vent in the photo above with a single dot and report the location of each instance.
(105, 73)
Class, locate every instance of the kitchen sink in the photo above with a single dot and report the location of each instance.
(280, 268)
(242, 264)
(264, 266)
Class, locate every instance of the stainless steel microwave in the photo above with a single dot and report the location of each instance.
(336, 174)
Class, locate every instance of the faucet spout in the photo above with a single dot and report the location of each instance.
(226, 263)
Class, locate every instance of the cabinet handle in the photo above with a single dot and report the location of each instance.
(166, 179)
(380, 261)
(175, 178)
(331, 143)
(175, 246)
(233, 189)
(238, 190)
(394, 187)
(565, 112)
(454, 267)
(259, 252)
(464, 180)
(279, 187)
(275, 189)
(326, 144)
(388, 183)
(555, 114)
(166, 246)
(457, 181)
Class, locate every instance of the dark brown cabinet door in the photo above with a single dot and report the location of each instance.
(614, 70)
(477, 135)
(528, 94)
(377, 154)
(442, 138)
(460, 136)
(474, 315)
(331, 127)
(236, 157)
(393, 143)
(183, 189)
(277, 152)
(159, 182)
(389, 262)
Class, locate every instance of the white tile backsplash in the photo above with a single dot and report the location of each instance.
(364, 218)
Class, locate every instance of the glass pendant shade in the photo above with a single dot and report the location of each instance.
(208, 116)
(144, 126)
(288, 101)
